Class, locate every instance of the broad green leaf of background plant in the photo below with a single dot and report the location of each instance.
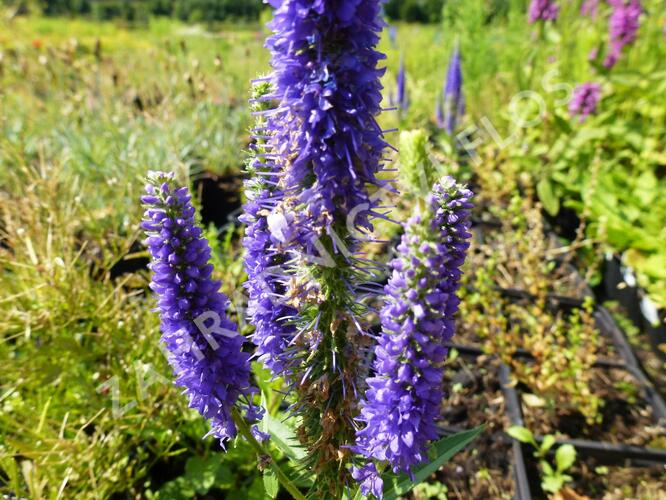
(283, 437)
(522, 434)
(550, 200)
(271, 483)
(565, 456)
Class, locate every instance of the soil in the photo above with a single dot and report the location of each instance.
(618, 483)
(626, 417)
(483, 470)
(593, 480)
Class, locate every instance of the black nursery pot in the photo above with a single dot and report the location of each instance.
(654, 324)
(633, 301)
(565, 223)
(615, 287)
(220, 197)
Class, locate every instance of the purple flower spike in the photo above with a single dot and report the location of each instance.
(326, 78)
(267, 310)
(204, 346)
(623, 25)
(543, 10)
(401, 98)
(585, 100)
(393, 36)
(454, 101)
(404, 396)
(325, 150)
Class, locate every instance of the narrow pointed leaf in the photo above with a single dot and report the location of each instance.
(440, 453)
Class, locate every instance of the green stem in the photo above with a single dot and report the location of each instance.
(244, 430)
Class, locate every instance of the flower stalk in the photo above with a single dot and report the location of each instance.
(245, 431)
(327, 149)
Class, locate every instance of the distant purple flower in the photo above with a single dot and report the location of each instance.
(439, 111)
(205, 348)
(585, 100)
(453, 103)
(623, 25)
(401, 99)
(543, 10)
(590, 8)
(404, 396)
(393, 35)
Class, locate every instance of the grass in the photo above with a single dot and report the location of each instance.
(87, 120)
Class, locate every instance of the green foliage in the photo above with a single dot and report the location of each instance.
(419, 11)
(435, 490)
(87, 403)
(416, 171)
(140, 10)
(609, 167)
(201, 475)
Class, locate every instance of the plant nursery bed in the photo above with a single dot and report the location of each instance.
(511, 273)
(475, 398)
(593, 479)
(612, 347)
(629, 436)
(627, 417)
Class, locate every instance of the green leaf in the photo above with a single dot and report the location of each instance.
(547, 444)
(522, 434)
(224, 478)
(284, 438)
(565, 456)
(552, 484)
(201, 473)
(271, 483)
(254, 492)
(178, 489)
(440, 453)
(547, 196)
(562, 124)
(547, 468)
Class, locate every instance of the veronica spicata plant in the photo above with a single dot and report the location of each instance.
(313, 192)
(401, 99)
(327, 146)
